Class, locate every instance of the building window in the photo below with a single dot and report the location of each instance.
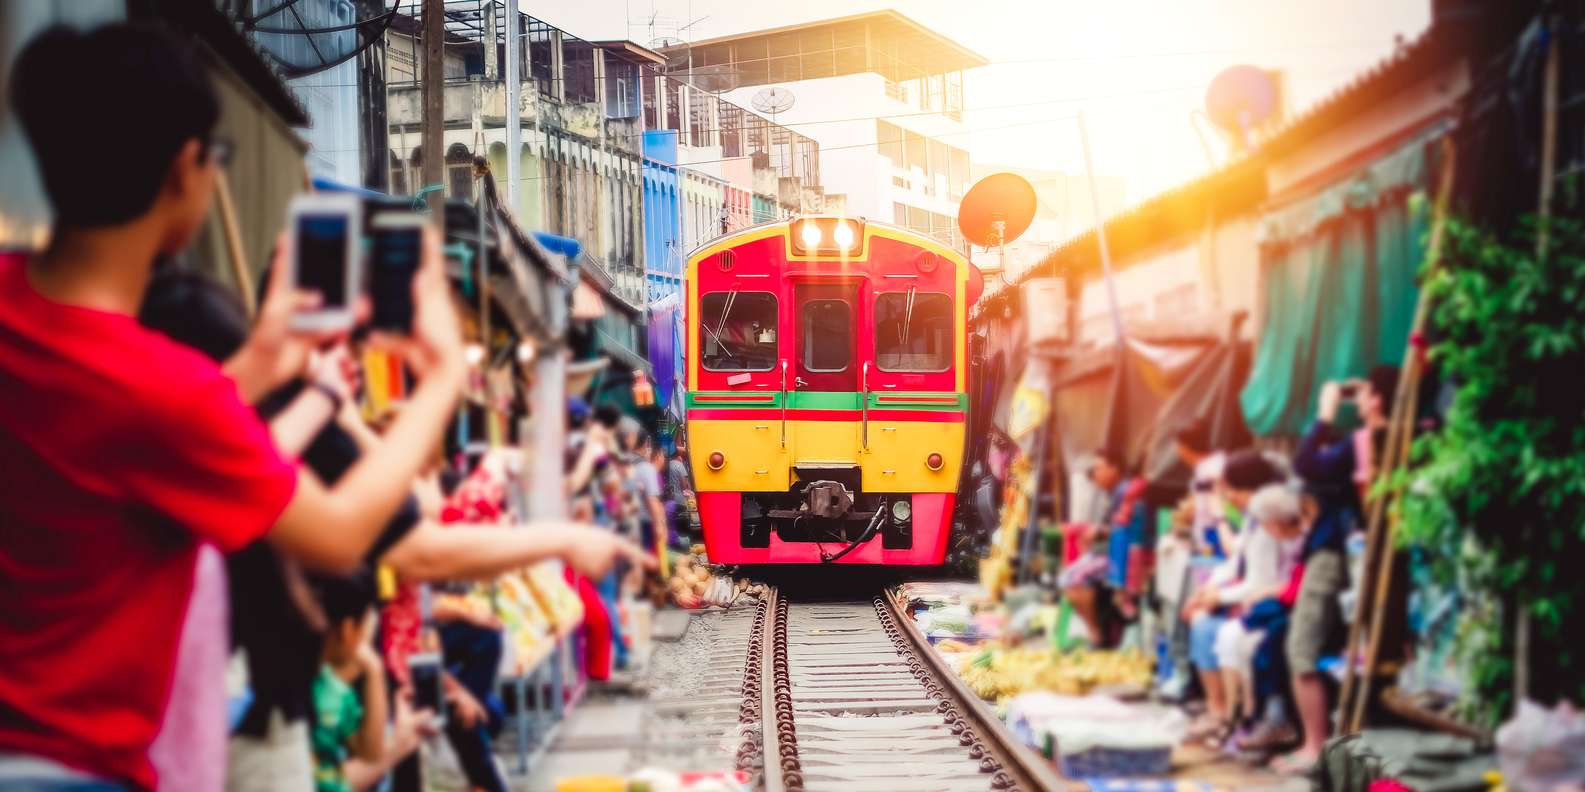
(737, 331)
(398, 176)
(459, 171)
(889, 140)
(913, 331)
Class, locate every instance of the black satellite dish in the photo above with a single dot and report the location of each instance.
(304, 37)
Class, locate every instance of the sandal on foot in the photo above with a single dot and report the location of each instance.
(1292, 764)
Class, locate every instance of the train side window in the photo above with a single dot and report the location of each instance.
(737, 331)
(913, 331)
(827, 335)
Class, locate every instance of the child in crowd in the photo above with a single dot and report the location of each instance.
(1083, 580)
(1278, 514)
(1213, 605)
(349, 696)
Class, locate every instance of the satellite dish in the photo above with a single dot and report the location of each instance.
(308, 38)
(1240, 99)
(997, 210)
(773, 100)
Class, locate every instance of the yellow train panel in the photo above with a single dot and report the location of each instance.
(755, 459)
(898, 450)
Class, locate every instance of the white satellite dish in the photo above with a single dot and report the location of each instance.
(773, 100)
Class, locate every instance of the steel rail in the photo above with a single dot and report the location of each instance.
(1023, 768)
(966, 723)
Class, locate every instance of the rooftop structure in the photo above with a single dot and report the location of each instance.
(883, 42)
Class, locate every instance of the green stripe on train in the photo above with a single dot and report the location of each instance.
(822, 400)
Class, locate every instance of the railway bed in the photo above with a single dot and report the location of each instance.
(849, 697)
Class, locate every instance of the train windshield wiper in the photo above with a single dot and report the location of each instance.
(726, 311)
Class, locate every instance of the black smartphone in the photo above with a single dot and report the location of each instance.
(428, 693)
(396, 247)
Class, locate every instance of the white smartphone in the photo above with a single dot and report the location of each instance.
(425, 671)
(326, 238)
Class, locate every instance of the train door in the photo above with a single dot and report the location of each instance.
(825, 337)
(823, 391)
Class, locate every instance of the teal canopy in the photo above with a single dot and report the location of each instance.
(1340, 287)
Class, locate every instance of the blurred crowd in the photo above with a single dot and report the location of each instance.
(1247, 583)
(216, 570)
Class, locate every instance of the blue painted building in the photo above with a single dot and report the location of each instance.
(664, 261)
(663, 256)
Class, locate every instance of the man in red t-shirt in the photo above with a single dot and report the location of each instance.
(127, 460)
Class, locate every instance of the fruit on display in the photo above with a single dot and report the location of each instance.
(694, 584)
(997, 674)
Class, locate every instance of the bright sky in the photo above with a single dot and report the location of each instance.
(1136, 68)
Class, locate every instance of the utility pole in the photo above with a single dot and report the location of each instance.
(435, 106)
(514, 115)
(1100, 231)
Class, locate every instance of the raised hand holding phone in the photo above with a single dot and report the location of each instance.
(436, 340)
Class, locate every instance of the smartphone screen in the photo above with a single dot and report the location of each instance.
(322, 257)
(425, 673)
(395, 260)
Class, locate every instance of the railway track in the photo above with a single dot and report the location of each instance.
(849, 697)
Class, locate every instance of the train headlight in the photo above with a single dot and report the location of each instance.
(827, 236)
(902, 510)
(810, 235)
(716, 461)
(934, 461)
(843, 236)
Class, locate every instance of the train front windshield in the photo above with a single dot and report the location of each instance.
(913, 332)
(738, 331)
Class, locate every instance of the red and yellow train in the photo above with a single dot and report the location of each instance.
(827, 392)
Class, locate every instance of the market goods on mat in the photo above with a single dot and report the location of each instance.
(1097, 735)
(694, 584)
(557, 598)
(996, 674)
(658, 780)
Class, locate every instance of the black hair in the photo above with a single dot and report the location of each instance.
(68, 84)
(348, 597)
(1384, 382)
(608, 415)
(1250, 470)
(1196, 437)
(1106, 455)
(196, 310)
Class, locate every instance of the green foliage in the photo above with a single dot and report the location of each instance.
(1497, 494)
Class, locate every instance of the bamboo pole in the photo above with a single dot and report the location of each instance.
(231, 230)
(1400, 431)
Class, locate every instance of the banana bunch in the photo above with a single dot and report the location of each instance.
(1003, 673)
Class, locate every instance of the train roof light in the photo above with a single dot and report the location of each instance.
(826, 236)
(810, 235)
(843, 236)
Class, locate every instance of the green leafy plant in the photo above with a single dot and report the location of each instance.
(1497, 493)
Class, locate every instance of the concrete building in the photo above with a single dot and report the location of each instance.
(580, 165)
(896, 154)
